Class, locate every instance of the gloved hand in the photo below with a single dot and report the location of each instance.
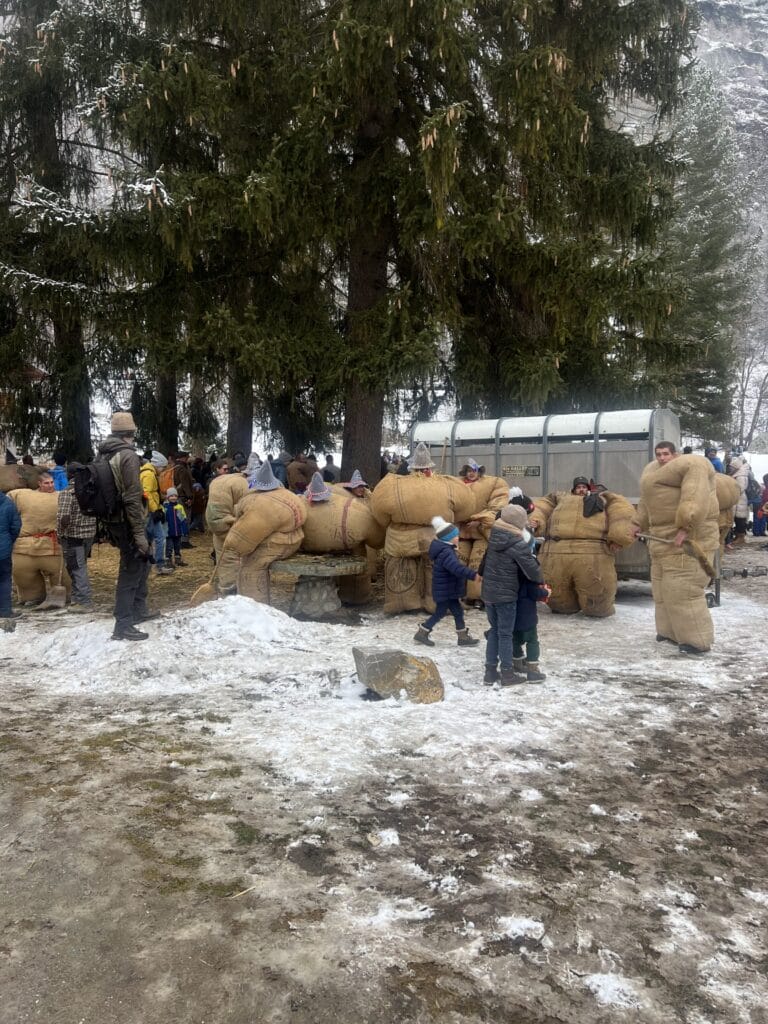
(142, 548)
(158, 516)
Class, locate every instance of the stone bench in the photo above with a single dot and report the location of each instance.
(315, 595)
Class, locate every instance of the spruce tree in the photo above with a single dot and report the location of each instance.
(712, 245)
(465, 164)
(43, 168)
(340, 189)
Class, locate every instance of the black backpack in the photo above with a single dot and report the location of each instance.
(95, 489)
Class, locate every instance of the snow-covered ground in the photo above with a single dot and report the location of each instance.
(592, 848)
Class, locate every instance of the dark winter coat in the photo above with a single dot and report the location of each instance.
(449, 575)
(528, 596)
(10, 525)
(125, 464)
(508, 552)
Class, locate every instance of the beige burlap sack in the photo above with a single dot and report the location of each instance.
(262, 513)
(407, 585)
(561, 516)
(343, 523)
(490, 493)
(678, 583)
(253, 578)
(224, 493)
(415, 499)
(728, 494)
(38, 523)
(582, 575)
(680, 495)
(14, 477)
(471, 553)
(406, 541)
(620, 514)
(34, 575)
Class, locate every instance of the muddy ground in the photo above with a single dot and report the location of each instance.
(156, 868)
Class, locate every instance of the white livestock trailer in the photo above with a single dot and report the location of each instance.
(541, 454)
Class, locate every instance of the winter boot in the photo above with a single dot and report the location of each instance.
(180, 562)
(518, 664)
(421, 636)
(491, 675)
(739, 540)
(532, 673)
(690, 649)
(511, 678)
(164, 570)
(464, 639)
(129, 633)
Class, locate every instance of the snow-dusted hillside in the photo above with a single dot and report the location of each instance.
(733, 41)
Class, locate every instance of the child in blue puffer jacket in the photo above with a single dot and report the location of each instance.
(175, 517)
(449, 582)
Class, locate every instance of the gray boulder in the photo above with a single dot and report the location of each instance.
(389, 672)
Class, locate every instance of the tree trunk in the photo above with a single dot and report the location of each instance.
(240, 416)
(70, 370)
(363, 404)
(167, 412)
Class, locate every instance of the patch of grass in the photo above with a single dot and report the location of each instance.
(210, 716)
(222, 889)
(244, 834)
(10, 742)
(226, 773)
(107, 739)
(165, 883)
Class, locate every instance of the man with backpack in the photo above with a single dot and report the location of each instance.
(125, 520)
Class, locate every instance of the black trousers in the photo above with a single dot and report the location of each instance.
(131, 590)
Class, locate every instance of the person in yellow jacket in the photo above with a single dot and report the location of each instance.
(582, 531)
(679, 503)
(268, 527)
(149, 477)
